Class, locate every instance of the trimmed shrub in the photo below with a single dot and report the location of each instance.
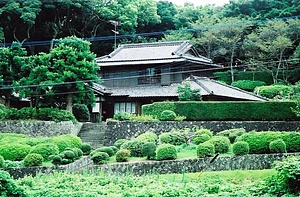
(115, 149)
(67, 141)
(78, 152)
(33, 159)
(81, 112)
(56, 160)
(277, 146)
(167, 115)
(166, 152)
(13, 164)
(278, 91)
(122, 155)
(240, 148)
(221, 143)
(69, 154)
(232, 134)
(100, 158)
(148, 150)
(14, 152)
(121, 116)
(247, 85)
(259, 141)
(292, 141)
(147, 137)
(54, 114)
(220, 110)
(1, 161)
(8, 187)
(198, 139)
(86, 148)
(206, 149)
(104, 149)
(119, 142)
(45, 150)
(174, 138)
(135, 148)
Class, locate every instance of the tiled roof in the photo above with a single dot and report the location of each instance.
(150, 53)
(206, 86)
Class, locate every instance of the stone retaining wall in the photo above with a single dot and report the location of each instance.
(128, 130)
(40, 128)
(247, 162)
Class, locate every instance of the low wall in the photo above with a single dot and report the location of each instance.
(247, 162)
(40, 128)
(128, 130)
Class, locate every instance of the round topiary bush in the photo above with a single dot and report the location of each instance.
(86, 148)
(122, 155)
(148, 150)
(56, 160)
(119, 142)
(292, 141)
(200, 138)
(167, 115)
(115, 149)
(69, 154)
(67, 141)
(174, 138)
(1, 161)
(14, 152)
(166, 152)
(240, 148)
(100, 158)
(81, 112)
(33, 159)
(147, 137)
(221, 143)
(78, 152)
(205, 150)
(45, 150)
(105, 149)
(277, 146)
(134, 146)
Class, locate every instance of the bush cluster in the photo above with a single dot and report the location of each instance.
(174, 138)
(119, 142)
(201, 135)
(214, 111)
(166, 152)
(86, 148)
(100, 158)
(122, 155)
(221, 144)
(274, 91)
(67, 141)
(232, 134)
(33, 159)
(248, 85)
(206, 149)
(8, 186)
(14, 152)
(121, 116)
(167, 115)
(46, 114)
(259, 142)
(240, 148)
(149, 150)
(69, 155)
(147, 137)
(104, 149)
(45, 150)
(277, 146)
(81, 112)
(134, 146)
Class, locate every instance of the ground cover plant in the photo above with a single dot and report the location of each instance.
(220, 183)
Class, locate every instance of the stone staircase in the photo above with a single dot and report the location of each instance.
(93, 133)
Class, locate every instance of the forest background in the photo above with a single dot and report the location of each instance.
(253, 35)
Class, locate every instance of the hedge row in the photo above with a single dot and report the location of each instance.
(292, 76)
(235, 110)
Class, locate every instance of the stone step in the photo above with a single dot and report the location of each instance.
(93, 133)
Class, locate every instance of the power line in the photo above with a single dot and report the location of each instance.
(159, 33)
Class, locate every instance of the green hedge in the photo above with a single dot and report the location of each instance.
(226, 110)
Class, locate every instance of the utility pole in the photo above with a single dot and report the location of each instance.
(115, 24)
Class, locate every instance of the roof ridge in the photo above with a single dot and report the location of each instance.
(184, 47)
(202, 85)
(151, 44)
